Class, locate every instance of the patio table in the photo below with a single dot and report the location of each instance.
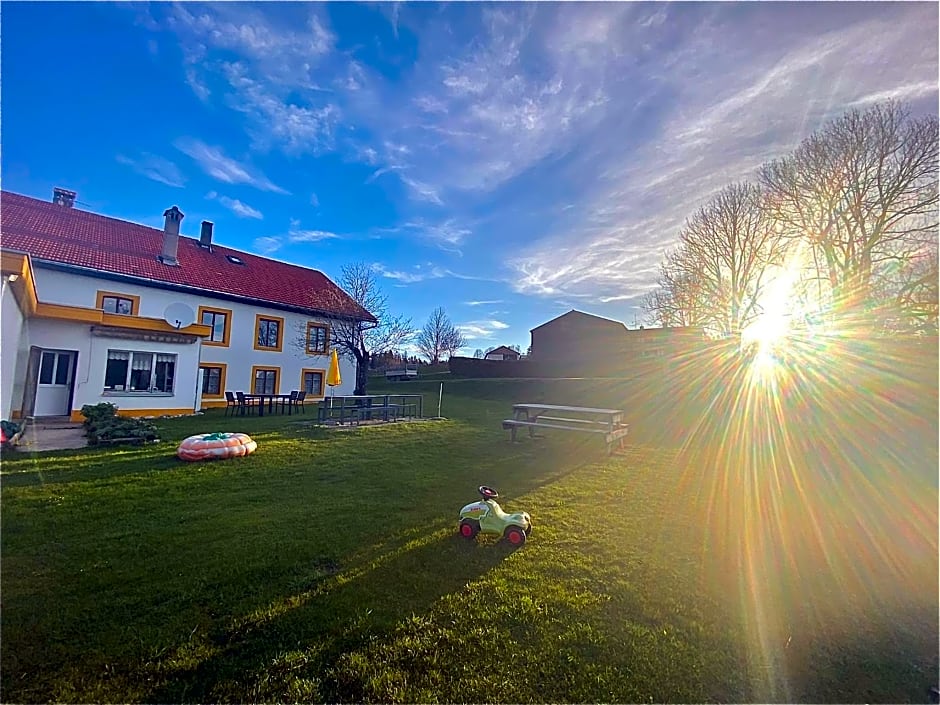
(271, 398)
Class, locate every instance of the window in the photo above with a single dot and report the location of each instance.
(235, 260)
(46, 367)
(264, 380)
(318, 338)
(139, 372)
(269, 332)
(311, 381)
(213, 380)
(54, 368)
(123, 304)
(220, 321)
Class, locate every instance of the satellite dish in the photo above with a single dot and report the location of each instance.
(179, 315)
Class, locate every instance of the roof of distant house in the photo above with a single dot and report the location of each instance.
(107, 246)
(503, 350)
(580, 314)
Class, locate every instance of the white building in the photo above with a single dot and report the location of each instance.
(86, 302)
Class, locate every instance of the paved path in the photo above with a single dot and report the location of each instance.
(52, 434)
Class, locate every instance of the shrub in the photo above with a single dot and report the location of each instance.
(96, 413)
(103, 424)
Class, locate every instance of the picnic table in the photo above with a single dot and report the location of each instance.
(583, 419)
(369, 406)
(281, 398)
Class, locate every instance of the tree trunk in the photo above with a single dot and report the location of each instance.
(362, 374)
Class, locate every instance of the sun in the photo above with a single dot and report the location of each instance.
(767, 336)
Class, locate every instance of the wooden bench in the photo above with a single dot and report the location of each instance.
(607, 422)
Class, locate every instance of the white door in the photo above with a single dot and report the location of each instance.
(56, 368)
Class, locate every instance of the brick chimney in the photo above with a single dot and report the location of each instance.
(171, 235)
(63, 197)
(205, 236)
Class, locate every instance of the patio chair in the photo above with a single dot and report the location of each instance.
(230, 403)
(289, 401)
(299, 400)
(243, 403)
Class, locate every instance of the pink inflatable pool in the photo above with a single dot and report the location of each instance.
(216, 446)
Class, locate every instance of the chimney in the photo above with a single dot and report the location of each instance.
(171, 235)
(63, 197)
(205, 236)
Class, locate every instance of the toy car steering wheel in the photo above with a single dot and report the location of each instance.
(487, 492)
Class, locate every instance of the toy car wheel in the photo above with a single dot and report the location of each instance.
(515, 535)
(469, 529)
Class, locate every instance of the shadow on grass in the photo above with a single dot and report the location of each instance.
(99, 463)
(338, 613)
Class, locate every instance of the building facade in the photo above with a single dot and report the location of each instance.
(97, 309)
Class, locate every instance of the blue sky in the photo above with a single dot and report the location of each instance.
(506, 161)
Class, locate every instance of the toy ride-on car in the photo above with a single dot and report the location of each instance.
(487, 516)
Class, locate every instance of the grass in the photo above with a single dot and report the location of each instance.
(326, 567)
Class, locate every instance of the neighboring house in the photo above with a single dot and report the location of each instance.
(85, 304)
(502, 353)
(580, 342)
(576, 338)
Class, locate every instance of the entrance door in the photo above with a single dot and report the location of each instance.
(53, 389)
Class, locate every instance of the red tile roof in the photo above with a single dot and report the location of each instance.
(54, 233)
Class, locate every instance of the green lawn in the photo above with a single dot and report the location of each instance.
(327, 567)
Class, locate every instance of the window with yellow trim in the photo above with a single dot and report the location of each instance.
(264, 380)
(318, 338)
(113, 302)
(311, 381)
(219, 321)
(213, 380)
(269, 333)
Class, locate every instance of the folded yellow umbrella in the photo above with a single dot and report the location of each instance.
(333, 377)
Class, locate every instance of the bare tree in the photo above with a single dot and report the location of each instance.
(478, 353)
(354, 334)
(439, 337)
(719, 271)
(862, 191)
(680, 298)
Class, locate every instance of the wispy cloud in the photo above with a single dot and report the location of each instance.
(424, 272)
(266, 245)
(421, 190)
(483, 303)
(294, 235)
(214, 162)
(155, 168)
(384, 170)
(272, 63)
(311, 235)
(242, 210)
(314, 201)
(608, 250)
(481, 330)
(407, 277)
(447, 235)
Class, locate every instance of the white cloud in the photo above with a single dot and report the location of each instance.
(406, 277)
(267, 245)
(197, 85)
(311, 235)
(477, 330)
(421, 190)
(155, 168)
(446, 235)
(242, 210)
(314, 201)
(483, 303)
(380, 172)
(214, 162)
